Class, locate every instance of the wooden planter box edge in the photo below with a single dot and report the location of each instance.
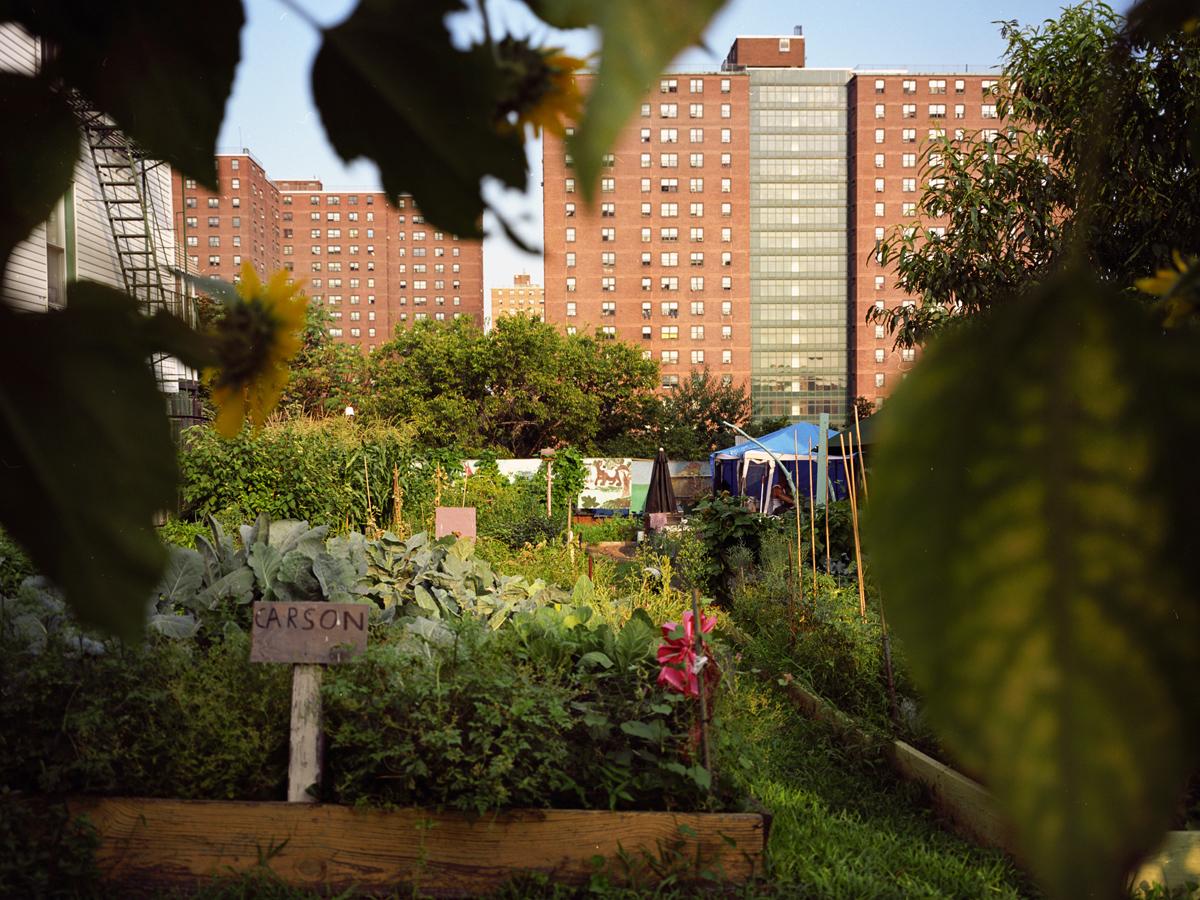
(165, 842)
(972, 809)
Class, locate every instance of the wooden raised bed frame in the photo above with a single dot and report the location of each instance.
(972, 809)
(179, 843)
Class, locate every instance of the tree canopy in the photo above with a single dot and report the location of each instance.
(1096, 155)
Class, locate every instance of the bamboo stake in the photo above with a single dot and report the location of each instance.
(862, 593)
(828, 500)
(796, 504)
(793, 590)
(858, 440)
(812, 515)
(701, 677)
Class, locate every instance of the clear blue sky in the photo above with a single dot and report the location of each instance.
(271, 111)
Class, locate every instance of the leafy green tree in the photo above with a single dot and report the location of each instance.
(325, 376)
(522, 387)
(1016, 205)
(690, 426)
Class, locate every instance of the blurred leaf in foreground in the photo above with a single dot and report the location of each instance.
(1032, 511)
(86, 456)
(640, 38)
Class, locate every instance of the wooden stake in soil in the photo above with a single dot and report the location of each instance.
(862, 593)
(308, 634)
(812, 516)
(307, 744)
(796, 504)
(862, 459)
(701, 679)
(828, 500)
(793, 591)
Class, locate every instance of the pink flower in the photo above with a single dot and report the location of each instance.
(677, 654)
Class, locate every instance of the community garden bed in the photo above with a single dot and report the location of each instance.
(493, 725)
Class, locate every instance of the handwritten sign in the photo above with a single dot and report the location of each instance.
(308, 632)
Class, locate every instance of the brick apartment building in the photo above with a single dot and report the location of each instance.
(736, 222)
(524, 298)
(372, 265)
(892, 115)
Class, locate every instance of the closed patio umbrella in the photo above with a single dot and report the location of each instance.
(660, 495)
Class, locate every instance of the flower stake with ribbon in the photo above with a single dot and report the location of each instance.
(684, 659)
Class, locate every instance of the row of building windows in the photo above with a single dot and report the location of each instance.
(668, 308)
(938, 110)
(665, 283)
(695, 85)
(695, 110)
(936, 85)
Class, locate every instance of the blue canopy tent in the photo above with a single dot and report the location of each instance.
(746, 471)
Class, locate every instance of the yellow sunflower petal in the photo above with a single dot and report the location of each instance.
(231, 410)
(249, 285)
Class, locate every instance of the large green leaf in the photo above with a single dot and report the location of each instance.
(391, 87)
(161, 73)
(87, 452)
(182, 578)
(1032, 511)
(640, 37)
(40, 150)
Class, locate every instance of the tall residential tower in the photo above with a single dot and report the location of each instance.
(738, 216)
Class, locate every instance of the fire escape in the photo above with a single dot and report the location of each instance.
(139, 238)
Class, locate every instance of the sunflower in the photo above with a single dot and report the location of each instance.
(256, 337)
(1176, 284)
(542, 90)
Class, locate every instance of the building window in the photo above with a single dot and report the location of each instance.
(669, 160)
(909, 110)
(726, 136)
(569, 210)
(697, 86)
(908, 354)
(908, 209)
(960, 111)
(937, 86)
(669, 332)
(569, 186)
(909, 160)
(879, 379)
(879, 110)
(879, 160)
(696, 111)
(571, 285)
(908, 185)
(608, 185)
(937, 110)
(879, 183)
(608, 283)
(878, 209)
(668, 110)
(880, 355)
(571, 308)
(645, 110)
(609, 331)
(988, 111)
(910, 87)
(909, 135)
(570, 235)
(608, 308)
(697, 332)
(608, 234)
(879, 135)
(960, 86)
(668, 86)
(724, 85)
(696, 135)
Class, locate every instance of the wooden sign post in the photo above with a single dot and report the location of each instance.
(309, 635)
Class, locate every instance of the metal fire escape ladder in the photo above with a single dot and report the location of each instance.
(121, 173)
